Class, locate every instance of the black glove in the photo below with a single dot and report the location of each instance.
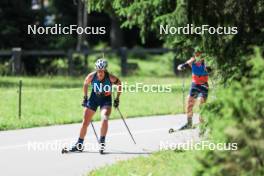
(85, 100)
(116, 103)
(209, 69)
(182, 66)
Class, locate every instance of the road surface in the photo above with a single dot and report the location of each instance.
(37, 151)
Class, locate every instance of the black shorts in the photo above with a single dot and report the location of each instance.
(94, 101)
(199, 90)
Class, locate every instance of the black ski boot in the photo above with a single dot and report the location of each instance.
(78, 147)
(188, 125)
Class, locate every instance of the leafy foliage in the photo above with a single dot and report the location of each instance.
(227, 49)
(14, 16)
(237, 117)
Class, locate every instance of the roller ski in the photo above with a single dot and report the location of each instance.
(102, 145)
(171, 130)
(187, 126)
(76, 148)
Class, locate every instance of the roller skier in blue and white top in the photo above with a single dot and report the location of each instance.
(101, 82)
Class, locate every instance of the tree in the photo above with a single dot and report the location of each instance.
(15, 15)
(246, 15)
(116, 34)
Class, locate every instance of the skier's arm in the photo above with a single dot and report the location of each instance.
(86, 83)
(186, 64)
(115, 80)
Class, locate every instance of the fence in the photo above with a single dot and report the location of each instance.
(16, 53)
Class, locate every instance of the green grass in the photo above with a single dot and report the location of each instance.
(52, 100)
(164, 163)
(56, 100)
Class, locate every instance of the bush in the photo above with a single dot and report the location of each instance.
(238, 117)
(4, 68)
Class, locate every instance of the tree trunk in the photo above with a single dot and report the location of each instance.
(79, 23)
(116, 34)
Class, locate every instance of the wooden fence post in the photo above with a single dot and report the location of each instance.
(123, 56)
(19, 98)
(16, 61)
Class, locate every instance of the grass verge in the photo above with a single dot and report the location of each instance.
(163, 163)
(56, 100)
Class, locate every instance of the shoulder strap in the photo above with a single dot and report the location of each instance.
(107, 75)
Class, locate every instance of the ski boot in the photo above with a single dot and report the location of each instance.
(78, 147)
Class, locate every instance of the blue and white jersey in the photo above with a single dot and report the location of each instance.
(103, 87)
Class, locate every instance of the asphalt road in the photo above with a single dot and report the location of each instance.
(37, 151)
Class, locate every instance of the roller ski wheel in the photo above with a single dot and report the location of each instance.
(64, 150)
(101, 151)
(171, 130)
(102, 148)
(184, 127)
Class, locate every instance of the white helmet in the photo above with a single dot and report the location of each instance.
(101, 64)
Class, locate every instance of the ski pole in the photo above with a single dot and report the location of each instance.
(95, 132)
(183, 93)
(126, 125)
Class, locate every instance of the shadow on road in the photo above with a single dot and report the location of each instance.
(114, 152)
(128, 153)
